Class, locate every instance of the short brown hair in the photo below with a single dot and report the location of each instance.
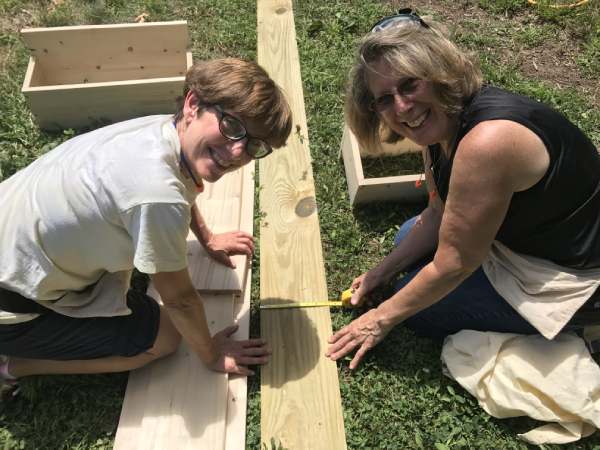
(414, 51)
(244, 88)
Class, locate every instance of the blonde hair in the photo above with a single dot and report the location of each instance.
(413, 51)
(245, 89)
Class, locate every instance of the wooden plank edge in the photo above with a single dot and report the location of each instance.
(352, 163)
(237, 395)
(102, 84)
(124, 26)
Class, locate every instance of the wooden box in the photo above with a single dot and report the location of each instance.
(408, 188)
(84, 76)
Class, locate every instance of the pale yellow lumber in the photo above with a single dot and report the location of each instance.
(238, 390)
(300, 398)
(225, 206)
(103, 53)
(177, 403)
(237, 395)
(76, 106)
(94, 75)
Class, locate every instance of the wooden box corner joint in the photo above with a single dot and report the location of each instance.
(407, 188)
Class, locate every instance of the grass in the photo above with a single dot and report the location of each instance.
(390, 166)
(398, 398)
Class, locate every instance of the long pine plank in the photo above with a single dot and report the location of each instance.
(300, 398)
(237, 396)
(177, 402)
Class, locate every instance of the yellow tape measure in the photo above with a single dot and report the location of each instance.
(343, 301)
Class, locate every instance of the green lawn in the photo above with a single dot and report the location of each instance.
(398, 398)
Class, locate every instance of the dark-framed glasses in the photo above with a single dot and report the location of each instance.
(405, 14)
(233, 129)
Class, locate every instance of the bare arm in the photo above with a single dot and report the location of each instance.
(219, 352)
(221, 246)
(493, 161)
(199, 227)
(421, 241)
(184, 306)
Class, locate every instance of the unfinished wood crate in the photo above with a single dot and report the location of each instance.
(408, 188)
(84, 76)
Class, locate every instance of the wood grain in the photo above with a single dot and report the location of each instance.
(227, 205)
(300, 398)
(237, 395)
(76, 106)
(177, 402)
(104, 53)
(99, 74)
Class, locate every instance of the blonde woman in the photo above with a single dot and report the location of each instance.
(514, 197)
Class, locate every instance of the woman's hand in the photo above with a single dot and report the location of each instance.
(363, 333)
(222, 246)
(362, 286)
(235, 356)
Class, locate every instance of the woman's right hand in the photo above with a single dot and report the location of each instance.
(362, 286)
(235, 356)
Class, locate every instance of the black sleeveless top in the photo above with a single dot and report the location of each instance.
(558, 218)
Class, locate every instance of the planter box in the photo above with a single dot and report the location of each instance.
(93, 75)
(408, 188)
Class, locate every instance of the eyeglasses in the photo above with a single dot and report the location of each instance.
(405, 14)
(406, 86)
(234, 130)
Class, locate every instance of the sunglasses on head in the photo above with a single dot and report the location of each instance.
(404, 15)
(233, 129)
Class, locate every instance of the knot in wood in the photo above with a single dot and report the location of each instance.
(306, 206)
(281, 10)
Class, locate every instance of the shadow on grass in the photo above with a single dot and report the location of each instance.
(380, 216)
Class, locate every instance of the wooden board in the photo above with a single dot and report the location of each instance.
(300, 398)
(227, 205)
(177, 403)
(105, 53)
(95, 75)
(237, 395)
(365, 190)
(83, 105)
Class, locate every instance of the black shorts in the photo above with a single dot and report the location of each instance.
(57, 337)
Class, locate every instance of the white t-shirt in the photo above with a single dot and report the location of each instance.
(75, 222)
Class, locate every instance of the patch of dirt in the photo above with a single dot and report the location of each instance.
(11, 25)
(24, 16)
(552, 61)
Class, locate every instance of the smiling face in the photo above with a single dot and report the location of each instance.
(410, 107)
(209, 154)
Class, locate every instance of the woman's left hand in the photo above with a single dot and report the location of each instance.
(222, 246)
(363, 333)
